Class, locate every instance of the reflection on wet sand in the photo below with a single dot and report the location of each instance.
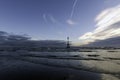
(99, 65)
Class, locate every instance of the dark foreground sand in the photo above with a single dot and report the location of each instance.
(59, 66)
(22, 70)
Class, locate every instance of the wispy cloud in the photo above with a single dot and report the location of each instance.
(52, 19)
(49, 18)
(70, 21)
(73, 8)
(107, 26)
(45, 18)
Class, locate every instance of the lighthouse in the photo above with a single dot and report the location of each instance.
(68, 43)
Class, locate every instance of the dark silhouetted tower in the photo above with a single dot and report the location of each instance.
(68, 43)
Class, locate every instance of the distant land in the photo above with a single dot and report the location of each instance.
(22, 41)
(111, 42)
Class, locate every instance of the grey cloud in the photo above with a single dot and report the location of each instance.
(14, 40)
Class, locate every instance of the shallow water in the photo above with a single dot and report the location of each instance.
(105, 63)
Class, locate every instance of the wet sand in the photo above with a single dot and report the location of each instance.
(11, 69)
(55, 66)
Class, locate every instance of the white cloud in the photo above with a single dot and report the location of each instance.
(71, 22)
(107, 26)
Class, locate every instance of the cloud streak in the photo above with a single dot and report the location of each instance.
(107, 26)
(45, 18)
(73, 8)
(49, 18)
(70, 21)
(52, 19)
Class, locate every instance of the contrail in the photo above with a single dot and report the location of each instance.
(73, 8)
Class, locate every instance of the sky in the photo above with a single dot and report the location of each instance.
(82, 20)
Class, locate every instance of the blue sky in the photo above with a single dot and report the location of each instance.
(52, 19)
